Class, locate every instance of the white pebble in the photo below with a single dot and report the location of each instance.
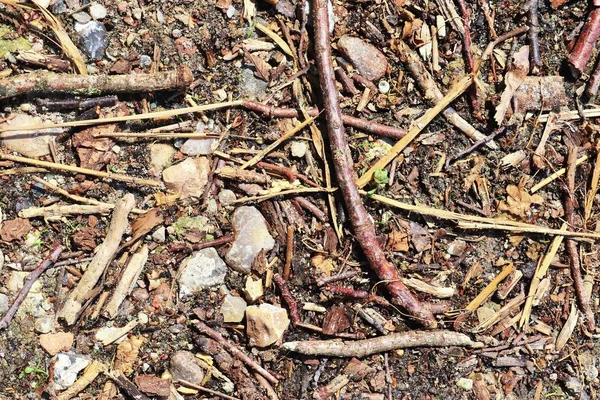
(97, 11)
(384, 87)
(230, 11)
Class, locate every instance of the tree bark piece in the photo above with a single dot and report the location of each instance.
(571, 245)
(364, 228)
(94, 85)
(104, 255)
(394, 341)
(127, 280)
(27, 284)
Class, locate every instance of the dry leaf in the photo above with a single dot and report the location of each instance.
(14, 229)
(519, 201)
(263, 69)
(144, 224)
(398, 241)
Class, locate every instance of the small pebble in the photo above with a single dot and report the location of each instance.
(231, 11)
(143, 318)
(160, 17)
(137, 13)
(145, 61)
(226, 197)
(384, 87)
(176, 33)
(82, 17)
(97, 11)
(25, 107)
(298, 149)
(94, 39)
(160, 235)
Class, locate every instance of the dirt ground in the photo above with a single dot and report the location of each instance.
(553, 354)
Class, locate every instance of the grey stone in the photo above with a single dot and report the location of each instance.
(67, 367)
(160, 234)
(204, 268)
(145, 61)
(366, 58)
(188, 177)
(160, 156)
(226, 197)
(233, 308)
(93, 39)
(82, 17)
(184, 365)
(298, 149)
(251, 85)
(251, 236)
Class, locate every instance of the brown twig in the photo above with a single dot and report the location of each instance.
(288, 298)
(27, 284)
(490, 47)
(394, 341)
(571, 245)
(126, 385)
(74, 104)
(289, 253)
(534, 40)
(307, 205)
(358, 294)
(364, 229)
(206, 390)
(199, 246)
(203, 328)
(582, 51)
(470, 64)
(371, 127)
(476, 145)
(591, 89)
(51, 83)
(330, 279)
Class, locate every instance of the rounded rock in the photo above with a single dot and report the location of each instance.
(366, 58)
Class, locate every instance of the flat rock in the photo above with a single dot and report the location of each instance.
(204, 268)
(184, 365)
(44, 324)
(160, 234)
(153, 385)
(54, 343)
(3, 304)
(366, 58)
(265, 324)
(226, 197)
(233, 308)
(28, 143)
(251, 237)
(253, 289)
(160, 156)
(251, 86)
(188, 177)
(67, 367)
(197, 147)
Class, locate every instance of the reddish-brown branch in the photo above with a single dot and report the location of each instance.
(571, 245)
(358, 294)
(593, 84)
(288, 298)
(582, 51)
(364, 228)
(203, 328)
(330, 279)
(289, 253)
(364, 125)
(466, 14)
(27, 284)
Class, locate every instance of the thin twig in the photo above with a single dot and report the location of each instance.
(289, 253)
(203, 328)
(206, 390)
(364, 228)
(79, 170)
(476, 145)
(288, 298)
(534, 40)
(27, 284)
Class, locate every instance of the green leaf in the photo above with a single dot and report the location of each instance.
(380, 176)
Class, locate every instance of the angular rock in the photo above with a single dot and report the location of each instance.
(197, 147)
(184, 365)
(43, 324)
(160, 156)
(188, 177)
(366, 58)
(204, 268)
(53, 343)
(233, 308)
(265, 324)
(251, 236)
(31, 144)
(253, 289)
(67, 367)
(251, 86)
(93, 38)
(160, 234)
(153, 385)
(97, 11)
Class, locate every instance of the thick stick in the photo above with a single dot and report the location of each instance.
(571, 245)
(582, 51)
(104, 255)
(27, 284)
(534, 41)
(93, 85)
(394, 341)
(364, 229)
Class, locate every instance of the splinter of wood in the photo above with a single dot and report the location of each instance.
(582, 51)
(364, 228)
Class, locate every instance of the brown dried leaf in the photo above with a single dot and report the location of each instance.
(127, 354)
(144, 224)
(420, 237)
(519, 201)
(151, 384)
(263, 69)
(14, 229)
(398, 241)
